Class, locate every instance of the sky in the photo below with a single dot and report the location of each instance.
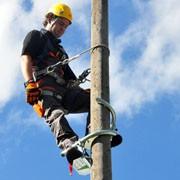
(144, 62)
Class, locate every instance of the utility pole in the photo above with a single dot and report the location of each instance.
(100, 117)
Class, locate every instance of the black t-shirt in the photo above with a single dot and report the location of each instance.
(34, 44)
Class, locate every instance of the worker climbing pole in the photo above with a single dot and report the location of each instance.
(53, 90)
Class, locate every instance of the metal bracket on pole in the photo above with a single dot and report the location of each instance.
(87, 141)
(110, 108)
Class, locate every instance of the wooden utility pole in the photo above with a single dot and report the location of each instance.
(100, 117)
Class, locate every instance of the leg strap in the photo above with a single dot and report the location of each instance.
(51, 93)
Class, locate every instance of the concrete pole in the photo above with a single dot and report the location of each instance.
(100, 117)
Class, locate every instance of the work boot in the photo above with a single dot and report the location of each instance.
(67, 143)
(72, 153)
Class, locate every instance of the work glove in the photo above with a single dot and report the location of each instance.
(32, 92)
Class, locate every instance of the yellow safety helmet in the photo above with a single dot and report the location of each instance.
(61, 10)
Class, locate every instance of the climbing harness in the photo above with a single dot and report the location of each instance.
(50, 70)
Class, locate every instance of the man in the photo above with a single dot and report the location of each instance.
(51, 93)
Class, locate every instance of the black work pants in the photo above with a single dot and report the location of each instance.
(73, 101)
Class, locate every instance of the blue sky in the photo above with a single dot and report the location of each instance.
(144, 82)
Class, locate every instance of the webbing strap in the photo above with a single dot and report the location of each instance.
(58, 79)
(51, 93)
(39, 74)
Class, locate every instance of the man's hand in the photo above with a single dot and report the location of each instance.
(32, 92)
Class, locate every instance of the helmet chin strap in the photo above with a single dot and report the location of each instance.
(51, 24)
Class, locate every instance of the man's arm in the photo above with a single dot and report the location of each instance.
(26, 67)
(32, 90)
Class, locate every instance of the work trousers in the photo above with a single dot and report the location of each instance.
(73, 101)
